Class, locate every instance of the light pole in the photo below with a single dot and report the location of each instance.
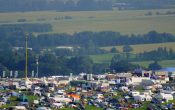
(37, 64)
(26, 65)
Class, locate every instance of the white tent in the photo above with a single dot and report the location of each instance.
(66, 100)
(43, 108)
(142, 98)
(57, 105)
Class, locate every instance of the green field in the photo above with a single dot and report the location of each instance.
(106, 58)
(125, 22)
(103, 58)
(144, 47)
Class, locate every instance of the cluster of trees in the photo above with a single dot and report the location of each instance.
(160, 13)
(59, 5)
(158, 54)
(49, 64)
(154, 66)
(161, 53)
(120, 64)
(35, 27)
(123, 65)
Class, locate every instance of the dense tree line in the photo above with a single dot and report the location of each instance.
(123, 65)
(84, 43)
(59, 5)
(35, 27)
(81, 5)
(50, 64)
(14, 34)
(144, 4)
(105, 38)
(161, 53)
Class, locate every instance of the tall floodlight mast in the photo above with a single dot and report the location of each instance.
(26, 65)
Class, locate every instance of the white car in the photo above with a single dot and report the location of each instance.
(22, 87)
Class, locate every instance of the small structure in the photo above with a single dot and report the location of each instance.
(171, 72)
(124, 89)
(17, 108)
(164, 96)
(74, 96)
(142, 98)
(162, 75)
(43, 108)
(134, 93)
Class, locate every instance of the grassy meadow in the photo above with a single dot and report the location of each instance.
(144, 47)
(106, 58)
(125, 22)
(103, 58)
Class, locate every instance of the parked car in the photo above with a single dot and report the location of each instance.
(1, 88)
(135, 106)
(153, 107)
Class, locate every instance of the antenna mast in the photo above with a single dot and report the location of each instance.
(26, 65)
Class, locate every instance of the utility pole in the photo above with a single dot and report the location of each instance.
(26, 65)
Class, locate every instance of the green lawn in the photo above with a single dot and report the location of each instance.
(93, 108)
(126, 22)
(32, 98)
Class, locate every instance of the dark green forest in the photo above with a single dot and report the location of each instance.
(144, 4)
(58, 5)
(81, 5)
